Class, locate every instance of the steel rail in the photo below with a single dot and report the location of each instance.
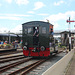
(26, 69)
(10, 53)
(10, 56)
(6, 67)
(6, 60)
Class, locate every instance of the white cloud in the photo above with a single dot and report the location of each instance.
(10, 18)
(56, 25)
(43, 14)
(17, 29)
(9, 1)
(38, 5)
(61, 16)
(58, 3)
(32, 12)
(20, 2)
(3, 30)
(71, 14)
(13, 16)
(19, 15)
(53, 19)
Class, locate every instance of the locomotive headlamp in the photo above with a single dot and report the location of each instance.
(42, 48)
(26, 43)
(25, 48)
(34, 48)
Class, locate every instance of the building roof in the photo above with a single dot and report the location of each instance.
(7, 34)
(66, 32)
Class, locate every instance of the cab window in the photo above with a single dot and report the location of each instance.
(25, 30)
(43, 30)
(29, 30)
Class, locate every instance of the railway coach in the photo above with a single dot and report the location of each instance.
(38, 39)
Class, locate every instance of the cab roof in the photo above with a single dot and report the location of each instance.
(37, 22)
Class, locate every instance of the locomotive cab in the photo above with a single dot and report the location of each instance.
(37, 38)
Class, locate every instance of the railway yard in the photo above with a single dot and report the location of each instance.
(14, 63)
(37, 37)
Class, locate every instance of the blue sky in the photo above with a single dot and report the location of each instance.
(13, 13)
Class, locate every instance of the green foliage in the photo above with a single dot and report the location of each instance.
(2, 46)
(61, 46)
(7, 44)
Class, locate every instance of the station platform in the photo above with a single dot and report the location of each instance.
(70, 69)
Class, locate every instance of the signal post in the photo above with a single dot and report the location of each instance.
(68, 21)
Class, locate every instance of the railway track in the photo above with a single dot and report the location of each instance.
(1, 54)
(26, 69)
(6, 67)
(21, 67)
(10, 57)
(7, 59)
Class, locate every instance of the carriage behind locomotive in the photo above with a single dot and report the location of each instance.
(38, 40)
